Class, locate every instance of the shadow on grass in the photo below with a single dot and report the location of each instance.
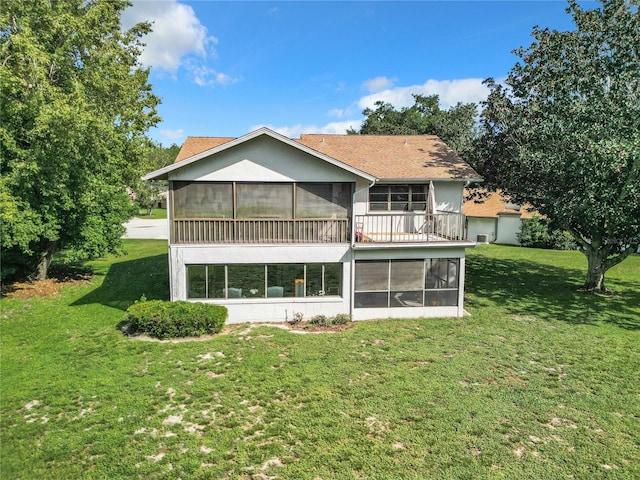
(549, 292)
(125, 282)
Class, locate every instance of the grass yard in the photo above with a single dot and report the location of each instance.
(540, 382)
(156, 214)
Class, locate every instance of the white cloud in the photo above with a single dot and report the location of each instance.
(172, 134)
(451, 92)
(378, 84)
(294, 131)
(203, 75)
(177, 33)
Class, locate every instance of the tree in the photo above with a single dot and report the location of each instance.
(563, 135)
(148, 193)
(75, 106)
(456, 126)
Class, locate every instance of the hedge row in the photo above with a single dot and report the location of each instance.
(161, 319)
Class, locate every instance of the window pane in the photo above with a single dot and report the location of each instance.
(406, 299)
(202, 200)
(333, 279)
(196, 281)
(372, 275)
(215, 274)
(283, 278)
(245, 281)
(378, 206)
(323, 200)
(407, 274)
(418, 197)
(314, 280)
(264, 200)
(371, 300)
(441, 298)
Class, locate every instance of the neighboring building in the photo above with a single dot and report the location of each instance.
(325, 224)
(494, 219)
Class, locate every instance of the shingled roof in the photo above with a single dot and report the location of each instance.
(402, 157)
(195, 145)
(494, 204)
(389, 157)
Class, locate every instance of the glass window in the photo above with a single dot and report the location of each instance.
(215, 281)
(264, 200)
(314, 283)
(202, 200)
(399, 195)
(333, 279)
(248, 281)
(372, 275)
(323, 200)
(197, 281)
(282, 280)
(379, 198)
(245, 281)
(397, 198)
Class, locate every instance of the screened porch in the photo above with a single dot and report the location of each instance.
(246, 212)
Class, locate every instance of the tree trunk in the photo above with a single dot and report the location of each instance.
(45, 260)
(595, 271)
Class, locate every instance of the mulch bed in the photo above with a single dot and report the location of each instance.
(49, 287)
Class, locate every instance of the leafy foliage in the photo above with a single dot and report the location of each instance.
(75, 107)
(161, 319)
(535, 232)
(425, 117)
(563, 135)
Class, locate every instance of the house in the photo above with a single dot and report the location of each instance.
(494, 219)
(325, 224)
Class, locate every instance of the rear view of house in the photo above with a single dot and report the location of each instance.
(324, 224)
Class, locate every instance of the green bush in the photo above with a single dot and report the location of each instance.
(536, 232)
(320, 320)
(161, 319)
(342, 319)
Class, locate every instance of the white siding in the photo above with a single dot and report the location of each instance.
(263, 159)
(481, 226)
(508, 228)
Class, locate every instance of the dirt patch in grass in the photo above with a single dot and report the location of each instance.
(59, 277)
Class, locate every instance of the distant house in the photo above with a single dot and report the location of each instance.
(271, 226)
(494, 219)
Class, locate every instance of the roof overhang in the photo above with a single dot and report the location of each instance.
(425, 180)
(163, 173)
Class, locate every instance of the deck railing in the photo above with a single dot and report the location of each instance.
(409, 227)
(377, 228)
(247, 230)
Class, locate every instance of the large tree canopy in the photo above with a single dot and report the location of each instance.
(75, 106)
(563, 135)
(425, 117)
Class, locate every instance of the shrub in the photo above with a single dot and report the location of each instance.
(296, 319)
(320, 320)
(342, 319)
(535, 232)
(161, 319)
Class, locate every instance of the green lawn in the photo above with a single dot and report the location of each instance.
(156, 214)
(539, 382)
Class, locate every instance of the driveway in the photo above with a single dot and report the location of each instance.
(152, 229)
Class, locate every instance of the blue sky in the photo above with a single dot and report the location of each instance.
(227, 68)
